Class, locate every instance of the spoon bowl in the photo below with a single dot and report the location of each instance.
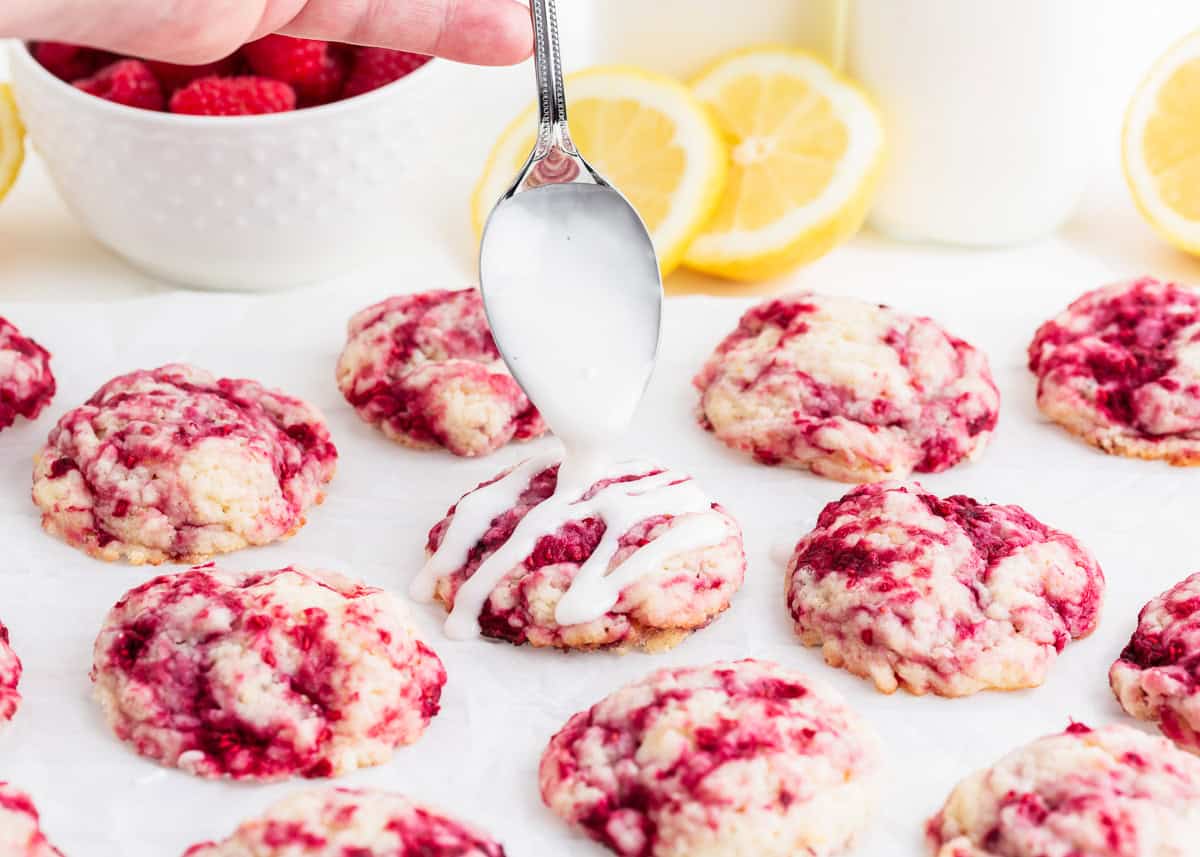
(569, 277)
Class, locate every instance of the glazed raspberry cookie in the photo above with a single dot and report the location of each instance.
(26, 383)
(1157, 677)
(1111, 792)
(641, 557)
(264, 675)
(425, 370)
(174, 464)
(850, 390)
(351, 823)
(20, 827)
(945, 595)
(742, 758)
(10, 677)
(1121, 369)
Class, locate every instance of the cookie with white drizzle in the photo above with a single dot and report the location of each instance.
(639, 557)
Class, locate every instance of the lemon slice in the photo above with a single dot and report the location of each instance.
(1162, 145)
(643, 132)
(806, 150)
(12, 140)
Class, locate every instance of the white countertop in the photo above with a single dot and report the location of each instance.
(478, 759)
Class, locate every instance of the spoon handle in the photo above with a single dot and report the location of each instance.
(552, 98)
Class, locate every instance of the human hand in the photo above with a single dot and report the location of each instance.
(484, 32)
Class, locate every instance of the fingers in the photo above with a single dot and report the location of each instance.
(181, 31)
(484, 32)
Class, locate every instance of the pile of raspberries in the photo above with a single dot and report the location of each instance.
(270, 75)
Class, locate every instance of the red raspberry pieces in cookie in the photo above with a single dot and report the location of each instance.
(10, 677)
(850, 390)
(26, 383)
(174, 463)
(1157, 677)
(233, 96)
(1120, 368)
(314, 69)
(351, 823)
(743, 758)
(425, 369)
(512, 570)
(947, 595)
(128, 82)
(264, 675)
(1112, 791)
(20, 826)
(69, 62)
(376, 67)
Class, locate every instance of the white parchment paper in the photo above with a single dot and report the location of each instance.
(479, 757)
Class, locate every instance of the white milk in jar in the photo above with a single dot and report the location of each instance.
(988, 109)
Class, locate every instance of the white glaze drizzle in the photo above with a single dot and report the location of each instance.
(620, 505)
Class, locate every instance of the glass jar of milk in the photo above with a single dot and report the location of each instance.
(681, 37)
(989, 112)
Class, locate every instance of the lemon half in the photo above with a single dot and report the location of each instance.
(1162, 145)
(806, 150)
(12, 140)
(643, 132)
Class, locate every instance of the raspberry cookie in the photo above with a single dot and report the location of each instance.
(641, 557)
(20, 828)
(174, 464)
(425, 370)
(1121, 369)
(10, 677)
(945, 595)
(850, 390)
(1111, 792)
(350, 823)
(742, 759)
(264, 675)
(1157, 677)
(26, 383)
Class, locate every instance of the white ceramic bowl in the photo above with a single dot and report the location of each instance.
(248, 202)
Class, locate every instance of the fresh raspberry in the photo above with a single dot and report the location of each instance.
(315, 69)
(126, 82)
(69, 62)
(376, 67)
(172, 76)
(233, 96)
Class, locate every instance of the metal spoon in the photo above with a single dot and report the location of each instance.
(569, 278)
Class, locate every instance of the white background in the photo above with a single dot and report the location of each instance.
(479, 757)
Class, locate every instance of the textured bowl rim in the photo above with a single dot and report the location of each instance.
(20, 52)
